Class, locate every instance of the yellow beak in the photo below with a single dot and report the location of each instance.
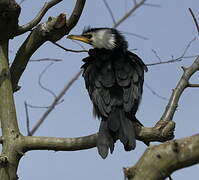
(79, 38)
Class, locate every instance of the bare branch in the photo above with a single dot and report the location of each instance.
(59, 144)
(136, 35)
(52, 30)
(76, 14)
(129, 13)
(37, 19)
(159, 161)
(161, 133)
(42, 107)
(193, 85)
(27, 118)
(155, 93)
(156, 55)
(41, 85)
(152, 5)
(174, 60)
(56, 100)
(178, 59)
(47, 31)
(45, 60)
(182, 84)
(195, 20)
(69, 50)
(110, 11)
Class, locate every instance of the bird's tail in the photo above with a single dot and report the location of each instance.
(116, 126)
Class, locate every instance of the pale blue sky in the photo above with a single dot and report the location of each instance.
(169, 29)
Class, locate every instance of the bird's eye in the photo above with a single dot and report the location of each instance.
(89, 36)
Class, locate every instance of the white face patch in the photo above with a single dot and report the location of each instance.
(103, 39)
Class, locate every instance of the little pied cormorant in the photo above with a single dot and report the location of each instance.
(114, 79)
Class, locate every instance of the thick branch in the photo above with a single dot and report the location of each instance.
(52, 30)
(7, 107)
(41, 34)
(159, 161)
(59, 144)
(37, 19)
(8, 119)
(159, 133)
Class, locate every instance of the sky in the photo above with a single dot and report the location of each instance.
(169, 30)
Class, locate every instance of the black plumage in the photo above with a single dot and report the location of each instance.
(114, 79)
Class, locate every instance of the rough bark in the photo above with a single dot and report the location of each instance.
(10, 155)
(159, 161)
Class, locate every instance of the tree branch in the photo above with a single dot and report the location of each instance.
(59, 144)
(8, 119)
(52, 30)
(54, 103)
(159, 161)
(193, 85)
(110, 11)
(160, 133)
(136, 6)
(69, 50)
(182, 84)
(178, 59)
(37, 19)
(79, 6)
(195, 20)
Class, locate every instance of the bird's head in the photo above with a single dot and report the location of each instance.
(107, 38)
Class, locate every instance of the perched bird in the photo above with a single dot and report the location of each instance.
(114, 79)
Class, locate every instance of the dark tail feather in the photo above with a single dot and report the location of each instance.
(116, 126)
(125, 132)
(104, 140)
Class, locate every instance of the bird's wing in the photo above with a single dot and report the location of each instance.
(98, 82)
(130, 76)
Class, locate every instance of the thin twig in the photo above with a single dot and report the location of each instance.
(27, 118)
(45, 60)
(152, 5)
(172, 60)
(156, 55)
(41, 85)
(69, 50)
(178, 59)
(134, 34)
(195, 20)
(56, 100)
(37, 107)
(110, 11)
(155, 93)
(137, 5)
(43, 107)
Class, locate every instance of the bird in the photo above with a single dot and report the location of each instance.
(114, 79)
